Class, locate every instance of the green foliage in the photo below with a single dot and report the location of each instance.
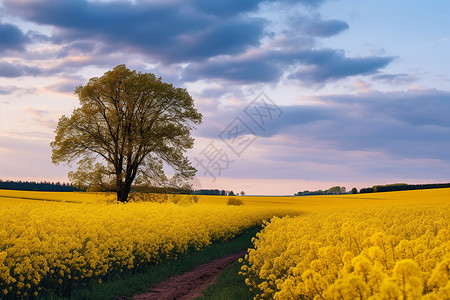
(336, 190)
(332, 190)
(128, 125)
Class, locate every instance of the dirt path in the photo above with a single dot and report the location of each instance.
(191, 284)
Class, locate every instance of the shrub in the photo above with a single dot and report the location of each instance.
(148, 197)
(185, 199)
(235, 201)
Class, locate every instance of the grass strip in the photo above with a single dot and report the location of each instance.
(132, 284)
(228, 286)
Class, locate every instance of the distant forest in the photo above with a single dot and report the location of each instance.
(42, 186)
(335, 190)
(168, 190)
(403, 187)
(45, 186)
(376, 189)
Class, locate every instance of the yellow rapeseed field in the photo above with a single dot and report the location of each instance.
(58, 245)
(338, 202)
(372, 246)
(367, 246)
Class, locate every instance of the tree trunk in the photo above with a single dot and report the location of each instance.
(122, 194)
(122, 197)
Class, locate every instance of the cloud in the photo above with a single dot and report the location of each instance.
(375, 136)
(411, 124)
(234, 7)
(395, 79)
(307, 66)
(232, 69)
(66, 86)
(225, 40)
(309, 3)
(322, 28)
(7, 90)
(77, 48)
(232, 37)
(226, 8)
(443, 39)
(10, 70)
(12, 38)
(160, 29)
(401, 124)
(25, 159)
(322, 65)
(17, 91)
(41, 117)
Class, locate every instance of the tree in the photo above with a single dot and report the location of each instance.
(334, 190)
(128, 125)
(354, 191)
(242, 193)
(231, 193)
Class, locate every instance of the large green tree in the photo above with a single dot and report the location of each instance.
(128, 126)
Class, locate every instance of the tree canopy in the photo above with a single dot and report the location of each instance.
(128, 126)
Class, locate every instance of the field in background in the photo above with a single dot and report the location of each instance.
(333, 202)
(303, 203)
(70, 197)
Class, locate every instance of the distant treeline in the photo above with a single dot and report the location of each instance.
(213, 192)
(173, 190)
(45, 186)
(42, 186)
(209, 192)
(403, 187)
(331, 191)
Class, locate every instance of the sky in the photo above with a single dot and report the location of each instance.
(295, 95)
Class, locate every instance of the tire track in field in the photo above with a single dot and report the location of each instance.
(39, 199)
(191, 284)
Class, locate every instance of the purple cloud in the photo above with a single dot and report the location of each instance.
(329, 64)
(161, 30)
(17, 70)
(12, 38)
(216, 39)
(411, 124)
(316, 66)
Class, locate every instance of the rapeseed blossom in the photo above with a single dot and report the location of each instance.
(390, 253)
(63, 246)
